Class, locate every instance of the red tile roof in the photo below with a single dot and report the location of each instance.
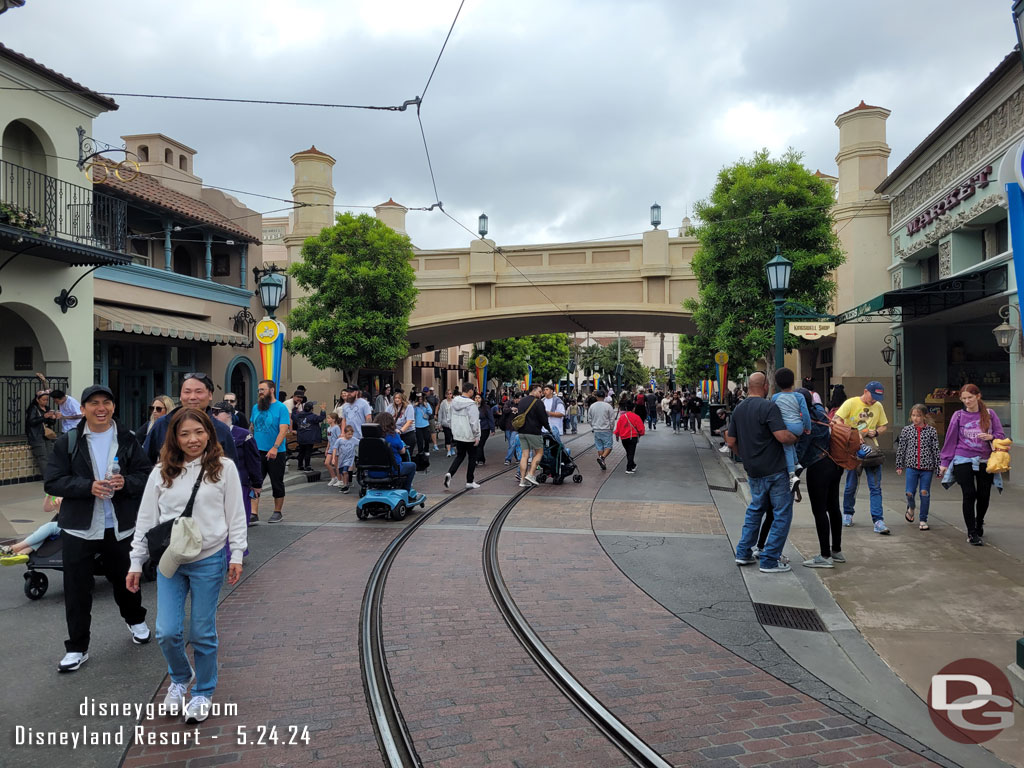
(313, 151)
(860, 106)
(148, 189)
(390, 202)
(34, 66)
(637, 342)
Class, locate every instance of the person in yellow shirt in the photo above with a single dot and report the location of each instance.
(866, 414)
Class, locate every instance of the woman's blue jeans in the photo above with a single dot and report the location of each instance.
(203, 579)
(919, 479)
(514, 448)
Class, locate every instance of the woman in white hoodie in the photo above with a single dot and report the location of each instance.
(466, 432)
(190, 459)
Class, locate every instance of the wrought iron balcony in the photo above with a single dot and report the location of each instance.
(42, 205)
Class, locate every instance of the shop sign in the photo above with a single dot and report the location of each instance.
(952, 199)
(812, 330)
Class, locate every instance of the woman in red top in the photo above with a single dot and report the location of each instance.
(628, 429)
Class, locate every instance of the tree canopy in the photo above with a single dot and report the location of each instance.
(756, 205)
(549, 356)
(362, 291)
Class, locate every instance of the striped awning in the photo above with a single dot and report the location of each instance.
(107, 318)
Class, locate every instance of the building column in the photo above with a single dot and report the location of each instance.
(209, 256)
(243, 265)
(167, 244)
(406, 373)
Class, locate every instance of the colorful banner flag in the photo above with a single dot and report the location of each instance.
(528, 379)
(270, 334)
(481, 374)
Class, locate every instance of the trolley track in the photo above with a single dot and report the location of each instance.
(392, 731)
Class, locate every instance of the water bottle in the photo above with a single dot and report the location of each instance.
(115, 469)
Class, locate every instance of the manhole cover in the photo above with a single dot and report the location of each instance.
(788, 617)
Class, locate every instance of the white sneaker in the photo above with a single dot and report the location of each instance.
(524, 484)
(197, 709)
(174, 701)
(472, 485)
(447, 479)
(333, 483)
(140, 633)
(72, 661)
(532, 479)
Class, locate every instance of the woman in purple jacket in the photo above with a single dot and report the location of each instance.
(967, 447)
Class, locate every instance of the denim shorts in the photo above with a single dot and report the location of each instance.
(344, 468)
(602, 439)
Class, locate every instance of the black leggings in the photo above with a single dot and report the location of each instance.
(448, 440)
(423, 439)
(629, 443)
(305, 453)
(822, 480)
(484, 434)
(977, 489)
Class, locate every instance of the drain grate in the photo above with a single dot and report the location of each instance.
(788, 617)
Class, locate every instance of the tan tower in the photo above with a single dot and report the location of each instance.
(862, 224)
(313, 186)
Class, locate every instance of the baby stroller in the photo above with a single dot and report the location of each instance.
(556, 462)
(380, 485)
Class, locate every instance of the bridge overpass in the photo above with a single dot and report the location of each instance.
(477, 293)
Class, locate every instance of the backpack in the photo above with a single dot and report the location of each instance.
(845, 445)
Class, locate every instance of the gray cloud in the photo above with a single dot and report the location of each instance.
(562, 120)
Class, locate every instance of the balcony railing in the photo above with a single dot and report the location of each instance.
(46, 205)
(16, 392)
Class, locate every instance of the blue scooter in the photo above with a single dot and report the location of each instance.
(380, 486)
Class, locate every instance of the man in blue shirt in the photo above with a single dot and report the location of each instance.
(270, 423)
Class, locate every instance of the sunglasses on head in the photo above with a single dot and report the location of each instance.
(199, 375)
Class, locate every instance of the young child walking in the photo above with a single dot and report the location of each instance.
(918, 454)
(793, 406)
(346, 456)
(331, 456)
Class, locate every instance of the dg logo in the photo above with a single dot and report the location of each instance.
(971, 701)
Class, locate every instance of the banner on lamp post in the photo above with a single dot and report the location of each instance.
(481, 374)
(270, 334)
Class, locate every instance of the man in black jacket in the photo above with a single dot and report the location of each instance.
(100, 470)
(196, 392)
(536, 419)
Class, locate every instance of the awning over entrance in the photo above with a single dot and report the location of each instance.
(929, 298)
(159, 324)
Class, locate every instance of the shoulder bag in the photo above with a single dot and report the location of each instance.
(520, 420)
(158, 538)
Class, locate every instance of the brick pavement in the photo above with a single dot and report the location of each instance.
(691, 699)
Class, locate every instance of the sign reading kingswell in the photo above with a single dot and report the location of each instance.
(970, 701)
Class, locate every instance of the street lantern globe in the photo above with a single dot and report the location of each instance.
(656, 210)
(1004, 334)
(887, 354)
(481, 225)
(778, 270)
(272, 290)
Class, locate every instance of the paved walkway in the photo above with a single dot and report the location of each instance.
(628, 578)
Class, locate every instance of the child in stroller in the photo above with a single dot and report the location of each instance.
(556, 462)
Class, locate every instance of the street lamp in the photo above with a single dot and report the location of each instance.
(271, 287)
(481, 225)
(778, 270)
(1018, 24)
(1005, 333)
(656, 210)
(889, 352)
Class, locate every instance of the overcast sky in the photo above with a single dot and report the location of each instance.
(563, 120)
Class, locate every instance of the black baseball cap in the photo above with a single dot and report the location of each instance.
(223, 405)
(96, 389)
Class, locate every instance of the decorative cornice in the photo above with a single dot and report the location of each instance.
(948, 224)
(1001, 126)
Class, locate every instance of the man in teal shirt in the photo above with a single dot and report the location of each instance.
(270, 424)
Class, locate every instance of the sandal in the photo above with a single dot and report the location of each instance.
(909, 514)
(923, 527)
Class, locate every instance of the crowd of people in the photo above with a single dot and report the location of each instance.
(182, 488)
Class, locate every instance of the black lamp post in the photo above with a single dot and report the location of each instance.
(656, 211)
(1018, 24)
(778, 270)
(481, 225)
(271, 287)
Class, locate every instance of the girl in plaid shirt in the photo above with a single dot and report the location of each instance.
(918, 454)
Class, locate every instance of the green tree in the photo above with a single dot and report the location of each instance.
(361, 293)
(634, 372)
(548, 352)
(755, 205)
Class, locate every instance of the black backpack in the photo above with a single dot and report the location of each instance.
(422, 461)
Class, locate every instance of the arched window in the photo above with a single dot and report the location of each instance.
(168, 157)
(143, 153)
(21, 146)
(183, 162)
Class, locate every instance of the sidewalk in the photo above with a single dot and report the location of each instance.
(922, 599)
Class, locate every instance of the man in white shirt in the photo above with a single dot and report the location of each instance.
(556, 410)
(355, 412)
(69, 410)
(97, 517)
